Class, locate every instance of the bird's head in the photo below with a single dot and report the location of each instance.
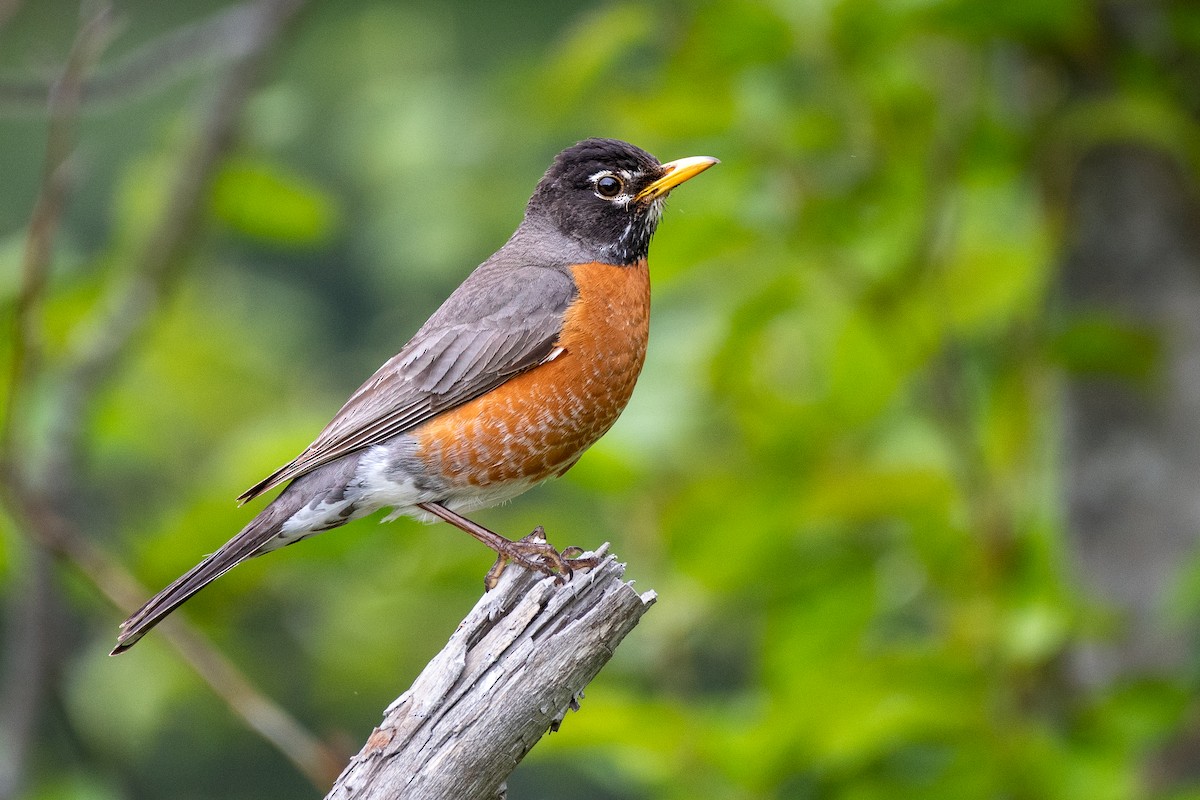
(609, 195)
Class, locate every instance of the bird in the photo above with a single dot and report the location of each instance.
(522, 368)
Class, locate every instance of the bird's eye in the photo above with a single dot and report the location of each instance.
(609, 186)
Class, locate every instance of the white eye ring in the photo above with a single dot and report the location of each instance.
(609, 186)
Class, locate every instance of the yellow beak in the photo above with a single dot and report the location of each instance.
(675, 173)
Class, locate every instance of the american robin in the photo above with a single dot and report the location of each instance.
(521, 369)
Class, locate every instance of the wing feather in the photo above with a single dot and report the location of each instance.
(497, 324)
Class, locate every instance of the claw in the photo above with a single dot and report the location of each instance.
(572, 556)
(581, 563)
(535, 553)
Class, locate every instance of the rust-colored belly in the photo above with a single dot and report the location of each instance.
(537, 424)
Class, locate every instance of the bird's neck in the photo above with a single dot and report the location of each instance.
(538, 240)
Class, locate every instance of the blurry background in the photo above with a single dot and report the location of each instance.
(913, 464)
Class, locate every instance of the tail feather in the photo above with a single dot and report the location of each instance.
(313, 502)
(253, 540)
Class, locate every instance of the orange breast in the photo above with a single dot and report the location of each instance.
(537, 424)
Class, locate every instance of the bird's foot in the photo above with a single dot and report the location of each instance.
(535, 553)
(572, 556)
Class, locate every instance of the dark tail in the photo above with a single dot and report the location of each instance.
(250, 542)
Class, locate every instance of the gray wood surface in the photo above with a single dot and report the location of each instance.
(512, 670)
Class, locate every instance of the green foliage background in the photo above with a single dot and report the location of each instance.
(839, 471)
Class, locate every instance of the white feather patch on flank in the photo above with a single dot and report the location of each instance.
(312, 519)
(376, 477)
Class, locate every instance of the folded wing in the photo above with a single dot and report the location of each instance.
(497, 324)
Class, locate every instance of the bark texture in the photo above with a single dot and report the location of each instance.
(512, 670)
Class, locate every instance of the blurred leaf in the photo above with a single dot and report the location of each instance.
(266, 202)
(1034, 633)
(597, 43)
(1026, 20)
(1105, 346)
(997, 267)
(1142, 113)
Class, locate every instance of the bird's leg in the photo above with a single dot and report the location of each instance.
(532, 552)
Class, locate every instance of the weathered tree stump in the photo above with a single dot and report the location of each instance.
(512, 670)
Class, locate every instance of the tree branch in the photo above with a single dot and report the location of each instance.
(7, 9)
(39, 500)
(58, 536)
(62, 99)
(226, 36)
(28, 662)
(512, 670)
(131, 305)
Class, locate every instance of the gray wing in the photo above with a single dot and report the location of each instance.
(499, 323)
